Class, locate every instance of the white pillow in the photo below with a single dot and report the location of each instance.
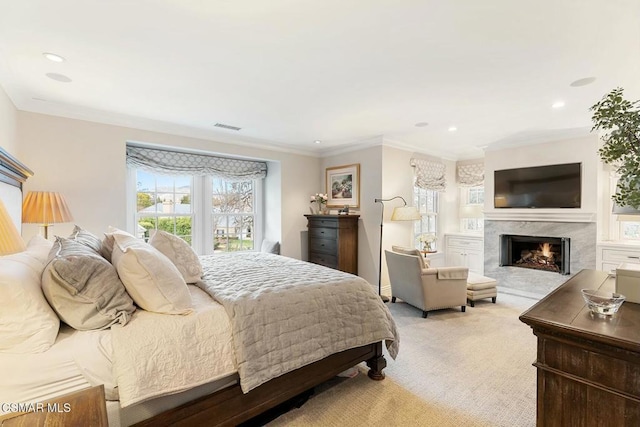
(180, 253)
(107, 242)
(154, 283)
(27, 322)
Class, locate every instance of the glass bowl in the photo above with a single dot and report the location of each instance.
(602, 302)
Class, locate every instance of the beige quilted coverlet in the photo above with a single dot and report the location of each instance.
(287, 313)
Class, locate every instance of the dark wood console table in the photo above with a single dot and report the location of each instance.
(588, 366)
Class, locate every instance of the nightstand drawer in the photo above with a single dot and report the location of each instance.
(324, 259)
(324, 233)
(619, 256)
(326, 246)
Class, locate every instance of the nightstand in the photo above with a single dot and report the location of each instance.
(82, 408)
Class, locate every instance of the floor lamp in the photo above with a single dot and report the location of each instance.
(400, 213)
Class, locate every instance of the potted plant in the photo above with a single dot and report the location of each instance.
(620, 121)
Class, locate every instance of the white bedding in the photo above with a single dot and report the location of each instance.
(286, 313)
(34, 377)
(160, 354)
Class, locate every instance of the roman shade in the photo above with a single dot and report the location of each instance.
(176, 162)
(471, 175)
(429, 175)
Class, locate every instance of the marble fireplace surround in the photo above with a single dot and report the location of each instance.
(538, 282)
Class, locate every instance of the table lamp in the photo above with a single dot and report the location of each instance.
(45, 208)
(10, 240)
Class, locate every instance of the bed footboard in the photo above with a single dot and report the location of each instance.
(230, 407)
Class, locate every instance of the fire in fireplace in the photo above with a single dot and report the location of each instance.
(540, 253)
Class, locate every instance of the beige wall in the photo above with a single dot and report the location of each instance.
(8, 125)
(85, 161)
(370, 160)
(385, 172)
(578, 150)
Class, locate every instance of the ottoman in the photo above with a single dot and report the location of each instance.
(479, 287)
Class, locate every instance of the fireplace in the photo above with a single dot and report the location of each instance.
(535, 252)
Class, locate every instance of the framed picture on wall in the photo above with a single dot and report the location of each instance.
(343, 186)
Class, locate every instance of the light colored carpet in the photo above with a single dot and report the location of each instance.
(454, 368)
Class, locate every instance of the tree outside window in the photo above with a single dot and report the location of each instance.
(233, 215)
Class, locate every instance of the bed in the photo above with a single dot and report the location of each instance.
(260, 330)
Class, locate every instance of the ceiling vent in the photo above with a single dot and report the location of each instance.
(223, 126)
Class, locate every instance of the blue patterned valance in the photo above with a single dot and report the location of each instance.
(176, 162)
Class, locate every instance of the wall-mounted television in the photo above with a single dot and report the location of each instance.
(552, 186)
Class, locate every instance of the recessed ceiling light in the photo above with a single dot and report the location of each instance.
(59, 77)
(583, 82)
(53, 57)
(452, 128)
(558, 104)
(421, 124)
(317, 141)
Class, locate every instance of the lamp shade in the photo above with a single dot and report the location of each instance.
(471, 211)
(405, 213)
(10, 240)
(44, 207)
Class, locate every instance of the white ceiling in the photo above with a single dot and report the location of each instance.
(289, 72)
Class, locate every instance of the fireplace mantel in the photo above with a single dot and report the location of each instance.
(539, 215)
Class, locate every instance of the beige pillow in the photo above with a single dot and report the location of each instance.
(107, 242)
(81, 235)
(151, 279)
(27, 322)
(411, 251)
(84, 288)
(180, 253)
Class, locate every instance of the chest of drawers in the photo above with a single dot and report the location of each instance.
(333, 241)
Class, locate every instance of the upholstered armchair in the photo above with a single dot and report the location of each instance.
(424, 287)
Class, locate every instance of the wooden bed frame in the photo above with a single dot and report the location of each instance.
(230, 407)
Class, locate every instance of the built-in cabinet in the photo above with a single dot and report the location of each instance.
(465, 250)
(611, 254)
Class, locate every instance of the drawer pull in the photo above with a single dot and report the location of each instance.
(633, 257)
(322, 232)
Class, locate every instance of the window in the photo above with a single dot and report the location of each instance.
(623, 227)
(164, 203)
(213, 203)
(472, 203)
(174, 203)
(630, 230)
(233, 215)
(427, 203)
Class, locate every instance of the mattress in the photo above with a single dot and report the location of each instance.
(41, 376)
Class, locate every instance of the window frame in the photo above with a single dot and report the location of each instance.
(466, 203)
(616, 226)
(431, 216)
(201, 212)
